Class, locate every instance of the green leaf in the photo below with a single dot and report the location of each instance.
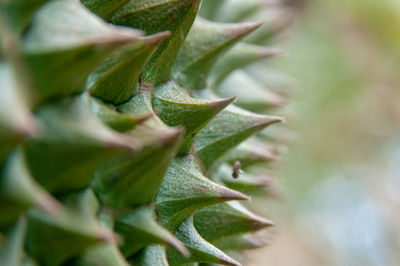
(152, 255)
(205, 43)
(85, 202)
(250, 152)
(104, 8)
(155, 16)
(64, 44)
(240, 242)
(66, 235)
(133, 177)
(114, 119)
(17, 14)
(12, 250)
(251, 95)
(200, 249)
(116, 78)
(227, 219)
(274, 22)
(103, 254)
(141, 104)
(209, 8)
(238, 10)
(19, 191)
(73, 139)
(245, 181)
(16, 121)
(175, 107)
(227, 130)
(139, 229)
(184, 190)
(238, 57)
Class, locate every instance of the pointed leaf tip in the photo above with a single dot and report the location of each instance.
(220, 105)
(155, 39)
(261, 223)
(243, 29)
(200, 249)
(175, 106)
(240, 56)
(184, 190)
(229, 194)
(205, 43)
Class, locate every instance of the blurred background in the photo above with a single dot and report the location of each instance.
(340, 184)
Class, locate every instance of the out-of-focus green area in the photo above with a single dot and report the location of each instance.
(342, 173)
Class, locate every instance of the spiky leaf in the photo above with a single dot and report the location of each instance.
(152, 255)
(200, 249)
(67, 234)
(139, 229)
(154, 16)
(64, 44)
(12, 251)
(227, 130)
(176, 107)
(227, 219)
(116, 79)
(184, 190)
(205, 42)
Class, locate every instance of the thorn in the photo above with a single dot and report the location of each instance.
(229, 194)
(220, 105)
(155, 39)
(229, 261)
(264, 120)
(105, 236)
(49, 204)
(240, 30)
(266, 52)
(178, 245)
(259, 223)
(142, 118)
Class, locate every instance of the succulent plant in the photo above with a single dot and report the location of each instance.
(120, 143)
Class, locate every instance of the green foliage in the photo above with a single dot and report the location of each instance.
(115, 136)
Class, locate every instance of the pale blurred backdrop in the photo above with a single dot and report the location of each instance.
(341, 173)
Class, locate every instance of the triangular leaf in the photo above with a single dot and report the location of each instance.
(66, 235)
(252, 151)
(240, 242)
(245, 181)
(223, 220)
(184, 190)
(133, 177)
(18, 190)
(114, 119)
(116, 78)
(12, 250)
(15, 119)
(227, 130)
(175, 16)
(251, 95)
(64, 44)
(73, 139)
(200, 249)
(176, 107)
(152, 255)
(205, 43)
(239, 56)
(139, 229)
